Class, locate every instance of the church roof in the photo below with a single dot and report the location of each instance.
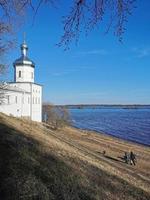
(24, 60)
(8, 87)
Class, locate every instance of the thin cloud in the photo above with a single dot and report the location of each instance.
(92, 94)
(101, 52)
(141, 52)
(63, 73)
(59, 73)
(144, 53)
(72, 70)
(86, 95)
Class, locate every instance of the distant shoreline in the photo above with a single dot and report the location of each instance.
(102, 106)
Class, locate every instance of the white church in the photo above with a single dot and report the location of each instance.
(23, 97)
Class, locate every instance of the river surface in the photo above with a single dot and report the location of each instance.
(128, 124)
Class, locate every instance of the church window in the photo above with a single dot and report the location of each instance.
(31, 74)
(39, 100)
(28, 99)
(16, 100)
(33, 100)
(8, 99)
(19, 74)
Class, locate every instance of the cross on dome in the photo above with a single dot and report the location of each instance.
(24, 60)
(24, 47)
(24, 37)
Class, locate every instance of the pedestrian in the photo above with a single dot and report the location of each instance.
(104, 153)
(132, 158)
(126, 157)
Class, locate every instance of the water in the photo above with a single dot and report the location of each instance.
(128, 124)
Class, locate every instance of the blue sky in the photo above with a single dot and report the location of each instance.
(99, 70)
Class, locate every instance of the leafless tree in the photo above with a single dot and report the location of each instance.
(12, 15)
(55, 116)
(3, 93)
(84, 15)
(9, 11)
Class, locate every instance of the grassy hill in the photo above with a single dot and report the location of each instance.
(39, 163)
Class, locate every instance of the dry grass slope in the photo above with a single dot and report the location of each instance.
(38, 163)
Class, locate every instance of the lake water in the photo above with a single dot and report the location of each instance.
(128, 124)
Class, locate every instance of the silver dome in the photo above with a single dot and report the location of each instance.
(24, 60)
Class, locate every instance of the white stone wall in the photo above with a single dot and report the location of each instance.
(35, 99)
(36, 103)
(25, 103)
(23, 86)
(15, 104)
(24, 73)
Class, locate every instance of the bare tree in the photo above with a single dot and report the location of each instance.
(9, 13)
(55, 116)
(3, 93)
(86, 14)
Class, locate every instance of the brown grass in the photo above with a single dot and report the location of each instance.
(39, 163)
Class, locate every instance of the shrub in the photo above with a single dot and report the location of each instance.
(56, 116)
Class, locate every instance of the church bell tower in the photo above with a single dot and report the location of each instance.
(24, 67)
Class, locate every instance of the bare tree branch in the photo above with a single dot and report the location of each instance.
(86, 14)
(3, 93)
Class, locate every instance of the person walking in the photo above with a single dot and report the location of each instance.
(126, 157)
(132, 158)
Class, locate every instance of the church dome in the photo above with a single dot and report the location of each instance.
(24, 60)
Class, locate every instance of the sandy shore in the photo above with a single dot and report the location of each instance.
(95, 143)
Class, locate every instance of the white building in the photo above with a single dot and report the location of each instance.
(23, 97)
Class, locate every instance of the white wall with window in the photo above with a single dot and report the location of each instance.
(24, 74)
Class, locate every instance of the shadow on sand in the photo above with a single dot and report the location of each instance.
(115, 159)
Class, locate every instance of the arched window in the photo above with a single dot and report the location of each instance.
(8, 99)
(16, 99)
(19, 74)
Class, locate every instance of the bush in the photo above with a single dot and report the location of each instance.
(56, 116)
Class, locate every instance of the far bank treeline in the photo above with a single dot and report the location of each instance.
(101, 106)
(58, 116)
